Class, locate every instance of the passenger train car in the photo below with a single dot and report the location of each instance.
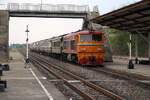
(84, 47)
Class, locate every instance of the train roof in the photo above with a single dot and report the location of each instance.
(68, 34)
(83, 32)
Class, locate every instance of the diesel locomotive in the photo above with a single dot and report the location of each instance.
(85, 47)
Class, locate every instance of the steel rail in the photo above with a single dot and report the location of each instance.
(95, 87)
(123, 76)
(82, 94)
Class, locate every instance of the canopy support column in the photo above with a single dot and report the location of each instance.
(136, 49)
(130, 64)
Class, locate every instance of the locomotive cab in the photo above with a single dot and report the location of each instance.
(90, 50)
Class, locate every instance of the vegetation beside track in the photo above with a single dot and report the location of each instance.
(119, 43)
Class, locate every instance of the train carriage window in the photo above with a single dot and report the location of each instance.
(52, 44)
(73, 43)
(66, 44)
(56, 44)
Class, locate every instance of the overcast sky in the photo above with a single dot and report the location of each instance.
(42, 28)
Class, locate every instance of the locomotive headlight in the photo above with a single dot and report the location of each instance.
(83, 49)
(99, 49)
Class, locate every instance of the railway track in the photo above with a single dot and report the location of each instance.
(132, 79)
(119, 85)
(122, 86)
(47, 66)
(44, 67)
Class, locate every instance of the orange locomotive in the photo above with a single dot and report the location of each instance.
(84, 47)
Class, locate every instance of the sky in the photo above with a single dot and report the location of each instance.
(43, 28)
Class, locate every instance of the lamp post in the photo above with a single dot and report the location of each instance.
(27, 46)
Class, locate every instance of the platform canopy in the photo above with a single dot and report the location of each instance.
(133, 18)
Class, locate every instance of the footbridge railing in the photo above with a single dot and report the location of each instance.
(45, 7)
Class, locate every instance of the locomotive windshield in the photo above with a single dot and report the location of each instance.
(91, 37)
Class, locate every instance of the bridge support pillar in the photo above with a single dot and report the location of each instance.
(4, 27)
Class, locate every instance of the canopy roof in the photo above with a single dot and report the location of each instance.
(134, 18)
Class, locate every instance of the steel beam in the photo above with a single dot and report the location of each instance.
(48, 15)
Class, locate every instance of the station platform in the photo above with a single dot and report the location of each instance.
(122, 66)
(27, 83)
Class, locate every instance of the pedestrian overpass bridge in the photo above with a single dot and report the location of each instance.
(38, 10)
(46, 10)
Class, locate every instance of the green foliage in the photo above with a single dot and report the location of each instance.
(143, 47)
(119, 43)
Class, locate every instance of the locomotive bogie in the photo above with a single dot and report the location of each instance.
(90, 58)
